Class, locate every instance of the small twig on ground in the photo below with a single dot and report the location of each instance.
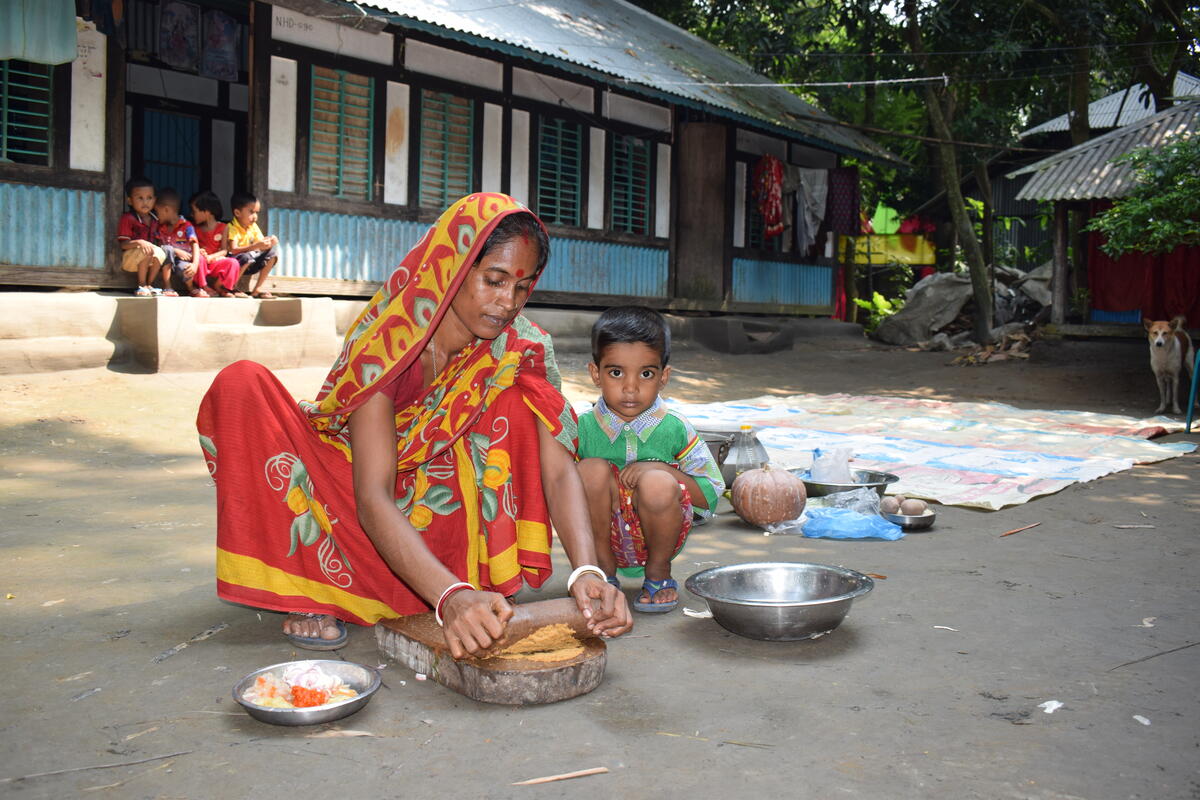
(566, 776)
(1022, 528)
(1154, 655)
(94, 766)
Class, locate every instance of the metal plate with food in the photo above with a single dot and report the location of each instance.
(306, 692)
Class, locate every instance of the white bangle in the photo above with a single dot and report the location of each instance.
(583, 570)
(449, 590)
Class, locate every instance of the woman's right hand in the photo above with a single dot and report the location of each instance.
(473, 620)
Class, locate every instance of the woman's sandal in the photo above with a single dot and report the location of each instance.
(614, 580)
(652, 588)
(318, 642)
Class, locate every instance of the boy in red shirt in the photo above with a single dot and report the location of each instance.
(206, 213)
(178, 240)
(135, 230)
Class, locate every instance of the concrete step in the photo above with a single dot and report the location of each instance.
(32, 315)
(56, 353)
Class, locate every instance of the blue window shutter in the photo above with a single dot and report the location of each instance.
(447, 154)
(341, 134)
(560, 171)
(26, 90)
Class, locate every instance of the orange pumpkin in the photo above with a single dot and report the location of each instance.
(765, 496)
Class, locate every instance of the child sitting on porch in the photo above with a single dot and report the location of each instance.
(645, 470)
(211, 233)
(256, 253)
(178, 240)
(135, 230)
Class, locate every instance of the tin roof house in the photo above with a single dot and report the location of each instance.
(356, 123)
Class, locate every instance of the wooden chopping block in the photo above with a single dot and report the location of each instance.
(417, 642)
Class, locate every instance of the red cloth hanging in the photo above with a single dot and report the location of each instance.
(768, 191)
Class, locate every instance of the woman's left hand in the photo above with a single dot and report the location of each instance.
(610, 617)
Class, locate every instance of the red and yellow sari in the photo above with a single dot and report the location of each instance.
(469, 473)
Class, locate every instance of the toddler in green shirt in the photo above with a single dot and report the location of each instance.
(645, 470)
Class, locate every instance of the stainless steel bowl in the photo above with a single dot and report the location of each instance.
(911, 522)
(779, 601)
(862, 477)
(363, 680)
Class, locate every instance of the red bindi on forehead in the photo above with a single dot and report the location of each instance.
(520, 273)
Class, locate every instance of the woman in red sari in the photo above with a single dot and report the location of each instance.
(427, 472)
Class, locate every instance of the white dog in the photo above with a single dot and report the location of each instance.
(1170, 354)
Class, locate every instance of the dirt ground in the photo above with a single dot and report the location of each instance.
(931, 688)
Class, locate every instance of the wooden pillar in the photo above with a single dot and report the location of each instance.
(1061, 276)
(700, 251)
(260, 111)
(114, 151)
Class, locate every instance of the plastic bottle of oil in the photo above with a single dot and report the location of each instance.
(750, 454)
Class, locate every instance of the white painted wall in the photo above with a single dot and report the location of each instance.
(493, 147)
(453, 65)
(168, 83)
(395, 152)
(292, 26)
(223, 164)
(88, 77)
(518, 177)
(555, 91)
(281, 136)
(637, 112)
(662, 192)
(739, 204)
(596, 199)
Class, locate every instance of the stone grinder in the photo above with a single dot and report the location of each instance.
(417, 642)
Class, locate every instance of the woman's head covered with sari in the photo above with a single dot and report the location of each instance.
(399, 321)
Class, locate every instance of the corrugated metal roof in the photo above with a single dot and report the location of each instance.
(1120, 109)
(644, 53)
(1085, 172)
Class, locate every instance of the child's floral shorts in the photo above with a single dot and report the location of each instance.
(626, 537)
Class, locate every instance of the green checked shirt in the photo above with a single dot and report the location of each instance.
(657, 434)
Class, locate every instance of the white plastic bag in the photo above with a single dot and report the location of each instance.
(832, 466)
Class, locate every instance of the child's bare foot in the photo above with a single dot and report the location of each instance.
(315, 631)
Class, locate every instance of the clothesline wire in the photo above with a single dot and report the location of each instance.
(943, 79)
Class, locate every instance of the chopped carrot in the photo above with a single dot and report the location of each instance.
(306, 698)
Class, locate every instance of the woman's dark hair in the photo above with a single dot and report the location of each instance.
(521, 224)
(207, 200)
(631, 324)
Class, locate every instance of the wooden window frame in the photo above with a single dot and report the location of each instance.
(343, 89)
(474, 164)
(552, 217)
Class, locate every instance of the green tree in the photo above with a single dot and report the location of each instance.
(1163, 210)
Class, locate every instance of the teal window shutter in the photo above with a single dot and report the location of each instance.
(447, 160)
(341, 134)
(630, 185)
(25, 121)
(560, 171)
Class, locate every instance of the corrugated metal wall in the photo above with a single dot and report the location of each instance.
(43, 226)
(342, 246)
(355, 248)
(591, 267)
(782, 283)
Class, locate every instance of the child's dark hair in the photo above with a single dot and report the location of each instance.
(241, 200)
(168, 197)
(138, 182)
(207, 200)
(521, 224)
(631, 324)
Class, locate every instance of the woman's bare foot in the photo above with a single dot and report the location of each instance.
(305, 626)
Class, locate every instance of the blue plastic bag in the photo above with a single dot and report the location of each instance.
(842, 523)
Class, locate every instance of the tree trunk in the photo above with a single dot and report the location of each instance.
(984, 181)
(948, 168)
